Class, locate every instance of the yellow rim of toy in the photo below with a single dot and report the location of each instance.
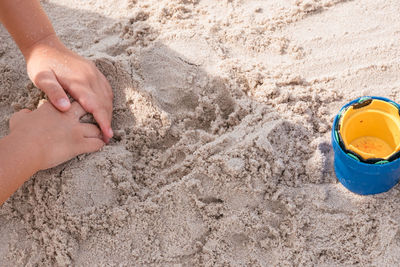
(371, 129)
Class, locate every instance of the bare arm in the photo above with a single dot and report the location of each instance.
(19, 160)
(26, 21)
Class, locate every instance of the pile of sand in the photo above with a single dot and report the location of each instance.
(222, 153)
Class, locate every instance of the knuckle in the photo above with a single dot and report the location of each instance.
(39, 78)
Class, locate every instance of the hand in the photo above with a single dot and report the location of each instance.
(55, 136)
(55, 70)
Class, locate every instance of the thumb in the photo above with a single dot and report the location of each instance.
(48, 83)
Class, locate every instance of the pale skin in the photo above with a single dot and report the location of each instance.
(42, 139)
(52, 67)
(52, 134)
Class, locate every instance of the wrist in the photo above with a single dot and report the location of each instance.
(47, 41)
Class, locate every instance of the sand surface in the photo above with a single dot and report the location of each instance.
(222, 154)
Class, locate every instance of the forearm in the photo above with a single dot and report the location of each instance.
(18, 162)
(26, 21)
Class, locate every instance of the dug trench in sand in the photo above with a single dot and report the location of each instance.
(222, 154)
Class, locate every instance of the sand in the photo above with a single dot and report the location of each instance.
(222, 155)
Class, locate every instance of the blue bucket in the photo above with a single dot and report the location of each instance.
(360, 177)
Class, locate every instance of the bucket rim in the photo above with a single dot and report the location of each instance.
(336, 137)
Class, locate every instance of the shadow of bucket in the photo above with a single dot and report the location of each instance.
(366, 143)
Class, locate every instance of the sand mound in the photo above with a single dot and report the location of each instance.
(221, 155)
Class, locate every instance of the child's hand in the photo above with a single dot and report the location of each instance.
(54, 136)
(53, 68)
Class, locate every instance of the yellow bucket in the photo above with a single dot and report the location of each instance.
(371, 129)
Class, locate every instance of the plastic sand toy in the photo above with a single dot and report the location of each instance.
(371, 147)
(366, 142)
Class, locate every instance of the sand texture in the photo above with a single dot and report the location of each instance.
(222, 155)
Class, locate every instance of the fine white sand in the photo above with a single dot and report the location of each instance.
(222, 153)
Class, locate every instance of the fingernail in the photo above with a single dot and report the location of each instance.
(63, 103)
(110, 132)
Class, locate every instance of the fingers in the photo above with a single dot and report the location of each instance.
(48, 83)
(91, 139)
(76, 110)
(103, 118)
(101, 108)
(90, 130)
(105, 114)
(95, 96)
(90, 145)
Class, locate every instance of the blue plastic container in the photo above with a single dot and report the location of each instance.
(359, 177)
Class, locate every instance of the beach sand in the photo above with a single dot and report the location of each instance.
(222, 153)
